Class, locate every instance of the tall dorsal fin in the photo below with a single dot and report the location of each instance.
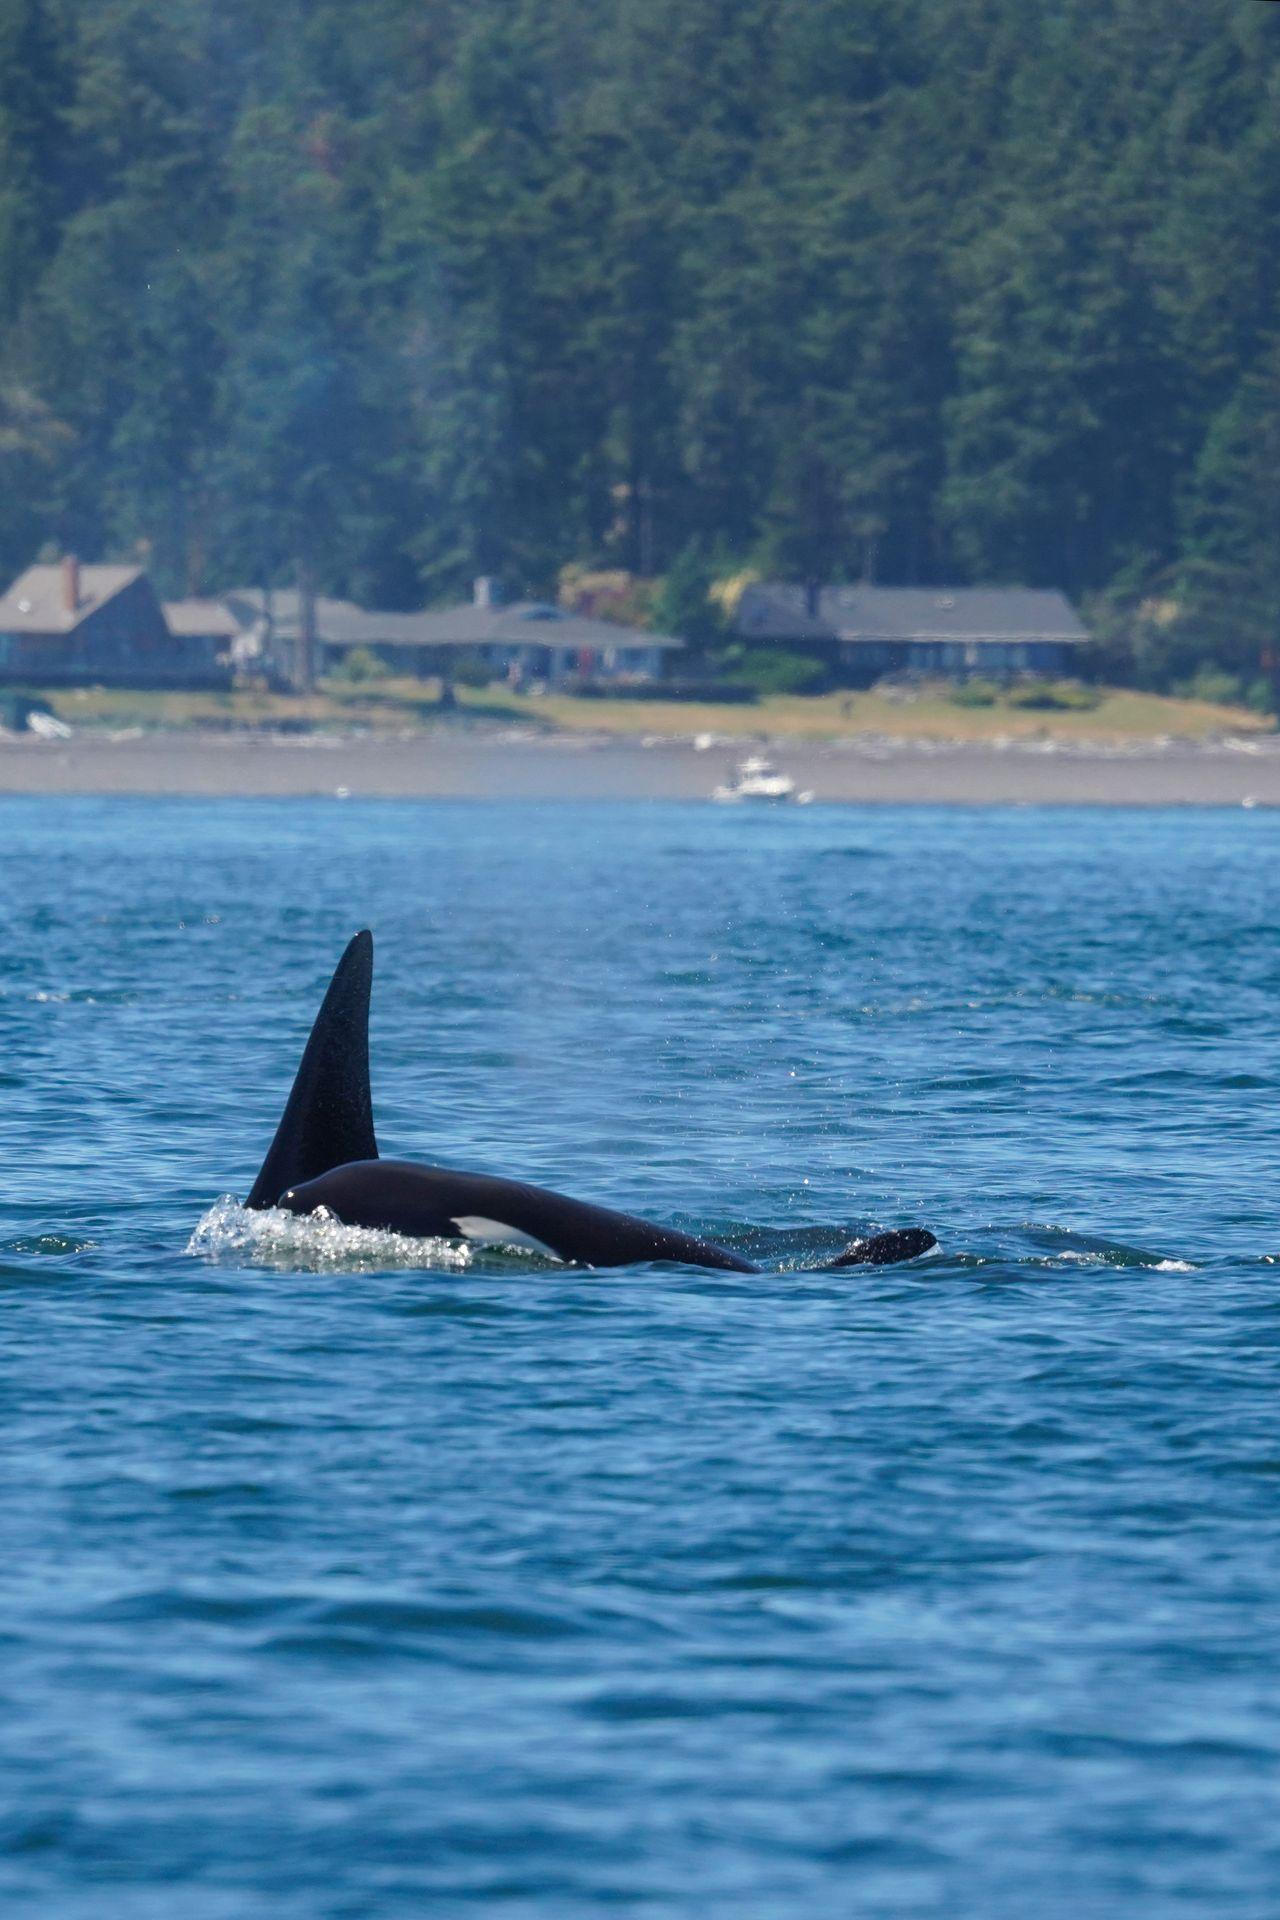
(329, 1118)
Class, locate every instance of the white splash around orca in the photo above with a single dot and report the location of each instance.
(324, 1160)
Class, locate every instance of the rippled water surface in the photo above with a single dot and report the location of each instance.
(333, 1584)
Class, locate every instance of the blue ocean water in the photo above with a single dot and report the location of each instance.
(335, 1586)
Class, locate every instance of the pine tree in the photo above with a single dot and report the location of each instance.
(1231, 575)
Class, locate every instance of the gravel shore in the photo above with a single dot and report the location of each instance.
(505, 764)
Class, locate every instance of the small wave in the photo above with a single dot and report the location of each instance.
(1118, 1257)
(53, 1245)
(1061, 1247)
(312, 1243)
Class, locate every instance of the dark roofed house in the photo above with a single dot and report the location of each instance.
(271, 628)
(863, 632)
(206, 628)
(530, 639)
(65, 624)
(201, 620)
(341, 627)
(534, 640)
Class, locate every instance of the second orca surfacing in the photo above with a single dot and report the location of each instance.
(325, 1155)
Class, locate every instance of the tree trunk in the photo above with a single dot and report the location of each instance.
(304, 666)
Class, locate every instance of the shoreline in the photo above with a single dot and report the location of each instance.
(509, 763)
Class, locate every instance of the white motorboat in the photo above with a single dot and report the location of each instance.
(758, 779)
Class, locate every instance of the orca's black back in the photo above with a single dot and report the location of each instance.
(329, 1116)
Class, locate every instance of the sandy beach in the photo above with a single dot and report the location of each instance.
(511, 764)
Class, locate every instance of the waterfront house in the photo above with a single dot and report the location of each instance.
(531, 640)
(206, 628)
(273, 621)
(72, 625)
(861, 633)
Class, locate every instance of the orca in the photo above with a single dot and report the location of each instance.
(325, 1156)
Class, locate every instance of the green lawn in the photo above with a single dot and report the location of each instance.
(396, 704)
(1120, 714)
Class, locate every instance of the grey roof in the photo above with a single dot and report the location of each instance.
(36, 602)
(200, 619)
(532, 623)
(772, 611)
(335, 619)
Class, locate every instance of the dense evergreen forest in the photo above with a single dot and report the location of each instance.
(403, 292)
